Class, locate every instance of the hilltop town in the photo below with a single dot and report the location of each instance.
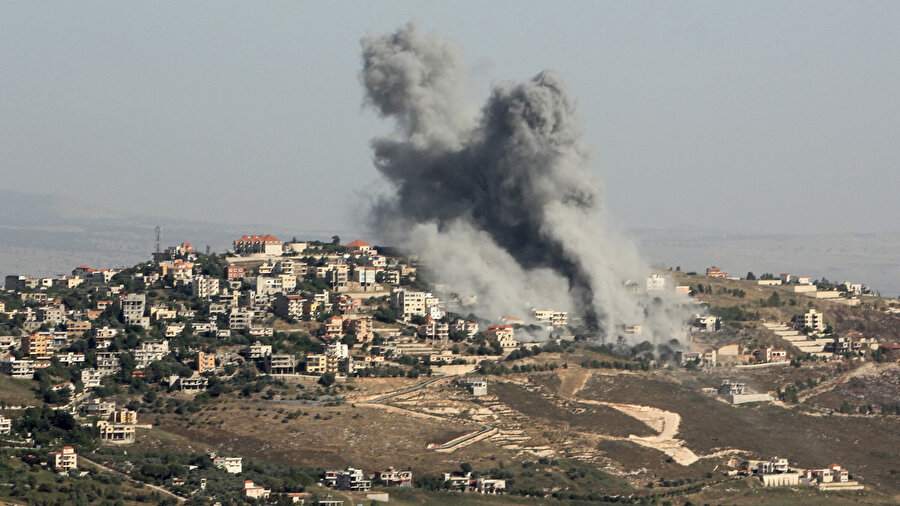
(326, 373)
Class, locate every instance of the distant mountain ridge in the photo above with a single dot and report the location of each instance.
(46, 235)
(871, 258)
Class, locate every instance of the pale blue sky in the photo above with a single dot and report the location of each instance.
(742, 116)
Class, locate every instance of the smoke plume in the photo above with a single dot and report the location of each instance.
(501, 203)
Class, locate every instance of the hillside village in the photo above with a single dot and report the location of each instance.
(301, 334)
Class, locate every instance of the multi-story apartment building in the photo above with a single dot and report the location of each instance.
(333, 327)
(253, 491)
(150, 351)
(289, 306)
(433, 329)
(91, 378)
(285, 266)
(65, 460)
(21, 283)
(282, 364)
(269, 285)
(365, 276)
(361, 327)
(77, 328)
(257, 351)
(239, 318)
(17, 368)
(204, 287)
(554, 318)
(52, 314)
(233, 465)
(205, 362)
(407, 302)
(338, 277)
(108, 362)
(393, 477)
(656, 283)
(469, 328)
(234, 272)
(133, 305)
(391, 277)
(119, 433)
(504, 335)
(288, 282)
(193, 384)
(812, 319)
(255, 244)
(99, 408)
(321, 364)
(70, 358)
(124, 415)
(37, 346)
(352, 479)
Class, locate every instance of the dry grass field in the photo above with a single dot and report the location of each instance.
(329, 436)
(870, 446)
(578, 417)
(17, 392)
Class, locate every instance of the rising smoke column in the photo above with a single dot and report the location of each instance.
(501, 203)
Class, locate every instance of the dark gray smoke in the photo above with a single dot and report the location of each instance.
(500, 204)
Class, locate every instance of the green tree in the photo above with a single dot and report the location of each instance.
(327, 379)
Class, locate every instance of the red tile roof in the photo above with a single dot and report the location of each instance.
(359, 243)
(258, 238)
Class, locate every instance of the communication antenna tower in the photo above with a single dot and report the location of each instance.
(158, 236)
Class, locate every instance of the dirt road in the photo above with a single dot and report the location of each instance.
(664, 422)
(161, 490)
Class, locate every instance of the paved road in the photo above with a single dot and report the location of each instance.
(485, 428)
(407, 390)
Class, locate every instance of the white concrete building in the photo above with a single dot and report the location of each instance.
(251, 491)
(65, 460)
(656, 283)
(90, 378)
(269, 285)
(233, 465)
(133, 305)
(239, 318)
(812, 319)
(204, 287)
(258, 244)
(408, 303)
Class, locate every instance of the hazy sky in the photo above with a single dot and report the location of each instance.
(743, 116)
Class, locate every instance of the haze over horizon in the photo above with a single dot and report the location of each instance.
(44, 236)
(775, 118)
